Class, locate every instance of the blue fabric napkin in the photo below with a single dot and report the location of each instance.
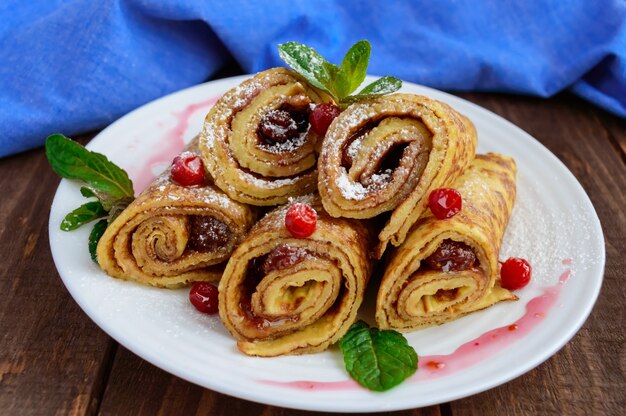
(74, 66)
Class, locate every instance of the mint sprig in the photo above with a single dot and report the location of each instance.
(82, 215)
(94, 237)
(102, 179)
(377, 360)
(338, 81)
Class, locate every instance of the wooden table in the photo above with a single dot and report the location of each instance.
(55, 360)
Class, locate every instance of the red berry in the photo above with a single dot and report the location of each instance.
(515, 273)
(188, 169)
(203, 296)
(300, 220)
(445, 202)
(321, 117)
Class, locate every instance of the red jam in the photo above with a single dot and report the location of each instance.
(445, 203)
(278, 126)
(204, 296)
(207, 234)
(515, 273)
(452, 256)
(188, 169)
(283, 257)
(301, 220)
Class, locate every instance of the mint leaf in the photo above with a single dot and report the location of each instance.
(104, 180)
(338, 81)
(378, 88)
(354, 64)
(86, 192)
(305, 61)
(382, 86)
(94, 237)
(338, 84)
(82, 215)
(72, 161)
(378, 360)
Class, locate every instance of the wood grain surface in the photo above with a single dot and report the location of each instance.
(54, 360)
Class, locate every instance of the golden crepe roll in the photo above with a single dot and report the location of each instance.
(448, 268)
(286, 295)
(256, 141)
(173, 235)
(387, 154)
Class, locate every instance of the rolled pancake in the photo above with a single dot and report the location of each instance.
(150, 241)
(242, 162)
(412, 294)
(388, 154)
(285, 295)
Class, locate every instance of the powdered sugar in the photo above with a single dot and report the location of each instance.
(288, 146)
(380, 179)
(270, 183)
(354, 147)
(350, 190)
(541, 233)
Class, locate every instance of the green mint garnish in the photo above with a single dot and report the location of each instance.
(94, 237)
(338, 81)
(86, 192)
(82, 215)
(72, 161)
(377, 360)
(102, 179)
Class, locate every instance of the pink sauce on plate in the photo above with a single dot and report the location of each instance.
(469, 353)
(171, 144)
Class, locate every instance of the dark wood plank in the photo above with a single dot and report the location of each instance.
(138, 387)
(585, 376)
(51, 355)
(616, 130)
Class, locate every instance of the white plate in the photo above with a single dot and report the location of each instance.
(553, 225)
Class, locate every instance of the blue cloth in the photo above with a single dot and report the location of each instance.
(76, 65)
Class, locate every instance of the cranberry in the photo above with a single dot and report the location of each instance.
(445, 202)
(277, 126)
(452, 256)
(300, 220)
(188, 169)
(282, 257)
(321, 117)
(515, 273)
(206, 233)
(203, 296)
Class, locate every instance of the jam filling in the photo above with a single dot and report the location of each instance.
(391, 159)
(282, 257)
(346, 153)
(207, 234)
(446, 295)
(452, 256)
(282, 125)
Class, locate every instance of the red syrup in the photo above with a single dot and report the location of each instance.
(170, 145)
(468, 354)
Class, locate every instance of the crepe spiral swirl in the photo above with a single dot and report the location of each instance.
(413, 293)
(150, 242)
(243, 162)
(285, 295)
(388, 154)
